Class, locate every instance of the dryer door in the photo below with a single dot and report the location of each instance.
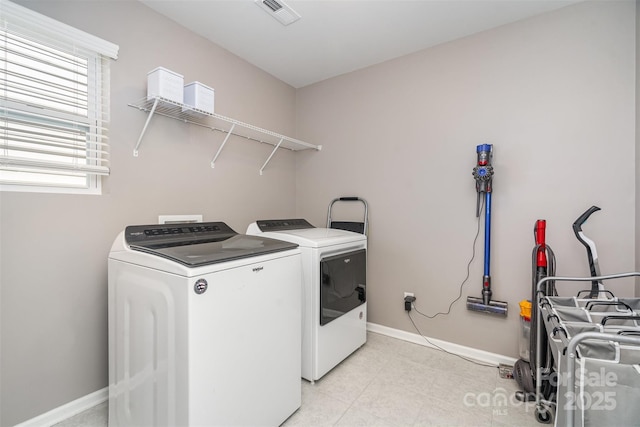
(343, 283)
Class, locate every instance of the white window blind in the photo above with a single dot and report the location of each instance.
(54, 94)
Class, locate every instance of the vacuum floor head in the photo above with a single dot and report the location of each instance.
(498, 308)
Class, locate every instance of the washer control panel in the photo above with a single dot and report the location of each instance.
(158, 234)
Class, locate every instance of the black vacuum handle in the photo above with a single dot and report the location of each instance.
(349, 199)
(593, 268)
(577, 225)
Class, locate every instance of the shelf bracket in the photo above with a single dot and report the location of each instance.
(144, 129)
(271, 155)
(226, 138)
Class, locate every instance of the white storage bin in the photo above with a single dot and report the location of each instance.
(199, 96)
(166, 84)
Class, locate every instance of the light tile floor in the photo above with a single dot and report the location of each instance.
(394, 383)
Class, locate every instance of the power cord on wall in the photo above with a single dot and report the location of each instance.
(473, 256)
(412, 300)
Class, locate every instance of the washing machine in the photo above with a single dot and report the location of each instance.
(204, 327)
(334, 277)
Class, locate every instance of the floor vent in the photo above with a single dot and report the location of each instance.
(279, 10)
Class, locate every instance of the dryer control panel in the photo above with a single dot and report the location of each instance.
(283, 224)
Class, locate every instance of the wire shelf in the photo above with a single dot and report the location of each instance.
(216, 122)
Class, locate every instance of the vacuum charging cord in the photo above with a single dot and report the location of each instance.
(446, 351)
(409, 302)
(473, 256)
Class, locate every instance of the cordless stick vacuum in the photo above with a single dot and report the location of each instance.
(483, 174)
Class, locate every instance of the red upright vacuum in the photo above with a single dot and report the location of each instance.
(524, 371)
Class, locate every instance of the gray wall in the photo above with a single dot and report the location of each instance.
(54, 247)
(555, 94)
(637, 92)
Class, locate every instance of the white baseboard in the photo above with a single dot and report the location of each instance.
(68, 410)
(461, 350)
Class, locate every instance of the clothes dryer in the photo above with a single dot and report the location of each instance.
(334, 282)
(204, 327)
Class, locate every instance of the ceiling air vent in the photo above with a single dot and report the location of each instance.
(279, 10)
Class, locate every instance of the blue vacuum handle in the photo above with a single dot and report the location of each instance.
(487, 234)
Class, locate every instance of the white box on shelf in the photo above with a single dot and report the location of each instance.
(165, 84)
(199, 96)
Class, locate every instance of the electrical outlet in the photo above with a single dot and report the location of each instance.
(409, 298)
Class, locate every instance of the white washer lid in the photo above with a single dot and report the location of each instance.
(199, 244)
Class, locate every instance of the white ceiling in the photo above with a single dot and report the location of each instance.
(334, 37)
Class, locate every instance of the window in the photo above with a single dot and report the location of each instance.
(54, 94)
